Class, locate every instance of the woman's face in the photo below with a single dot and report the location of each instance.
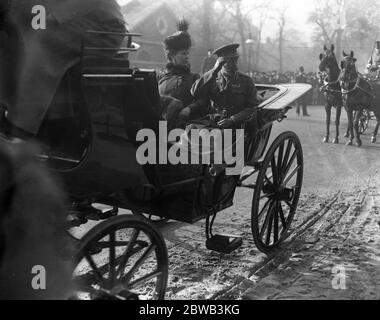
(181, 58)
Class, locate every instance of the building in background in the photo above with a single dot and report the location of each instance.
(155, 21)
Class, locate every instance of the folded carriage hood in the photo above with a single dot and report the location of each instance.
(285, 95)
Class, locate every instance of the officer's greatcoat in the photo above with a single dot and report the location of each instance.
(43, 57)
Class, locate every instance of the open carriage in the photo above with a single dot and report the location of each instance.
(125, 256)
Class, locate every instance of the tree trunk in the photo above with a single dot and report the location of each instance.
(207, 42)
(280, 49)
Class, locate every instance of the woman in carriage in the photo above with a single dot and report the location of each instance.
(178, 105)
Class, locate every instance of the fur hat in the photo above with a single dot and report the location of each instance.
(180, 40)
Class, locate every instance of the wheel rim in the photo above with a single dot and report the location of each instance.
(124, 259)
(277, 192)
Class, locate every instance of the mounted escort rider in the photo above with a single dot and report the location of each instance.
(373, 68)
(177, 103)
(232, 95)
(46, 55)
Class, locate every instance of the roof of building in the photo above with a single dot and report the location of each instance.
(137, 11)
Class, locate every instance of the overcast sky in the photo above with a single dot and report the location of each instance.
(298, 12)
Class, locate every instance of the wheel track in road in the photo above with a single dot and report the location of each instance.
(271, 262)
(343, 224)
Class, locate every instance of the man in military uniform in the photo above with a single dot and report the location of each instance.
(45, 56)
(231, 94)
(373, 67)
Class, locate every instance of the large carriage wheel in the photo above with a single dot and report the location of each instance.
(124, 257)
(277, 191)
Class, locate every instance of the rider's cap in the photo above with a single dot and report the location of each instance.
(180, 40)
(228, 51)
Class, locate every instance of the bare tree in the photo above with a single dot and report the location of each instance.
(262, 13)
(281, 19)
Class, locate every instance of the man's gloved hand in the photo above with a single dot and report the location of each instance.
(227, 124)
(220, 62)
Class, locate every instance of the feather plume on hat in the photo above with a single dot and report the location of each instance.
(180, 40)
(183, 25)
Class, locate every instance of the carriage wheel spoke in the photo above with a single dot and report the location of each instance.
(266, 221)
(275, 226)
(112, 264)
(267, 195)
(139, 262)
(290, 205)
(142, 280)
(282, 216)
(274, 171)
(264, 208)
(287, 153)
(268, 180)
(291, 175)
(127, 252)
(279, 160)
(99, 277)
(269, 233)
(288, 166)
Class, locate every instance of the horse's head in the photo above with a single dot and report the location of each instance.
(328, 60)
(349, 73)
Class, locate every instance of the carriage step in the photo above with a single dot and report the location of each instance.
(224, 243)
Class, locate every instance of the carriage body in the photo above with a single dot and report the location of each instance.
(98, 158)
(95, 154)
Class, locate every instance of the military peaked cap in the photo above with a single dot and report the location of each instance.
(228, 51)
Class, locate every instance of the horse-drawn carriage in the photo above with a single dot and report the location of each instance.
(125, 256)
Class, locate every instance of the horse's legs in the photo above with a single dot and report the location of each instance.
(358, 114)
(347, 134)
(328, 120)
(337, 123)
(350, 127)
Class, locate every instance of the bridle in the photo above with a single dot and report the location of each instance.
(326, 88)
(327, 84)
(356, 81)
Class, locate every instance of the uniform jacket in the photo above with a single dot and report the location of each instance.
(44, 56)
(236, 98)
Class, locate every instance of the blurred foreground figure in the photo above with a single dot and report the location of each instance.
(32, 229)
(35, 60)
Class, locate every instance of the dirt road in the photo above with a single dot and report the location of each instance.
(333, 251)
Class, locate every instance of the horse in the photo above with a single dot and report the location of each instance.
(358, 94)
(331, 90)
